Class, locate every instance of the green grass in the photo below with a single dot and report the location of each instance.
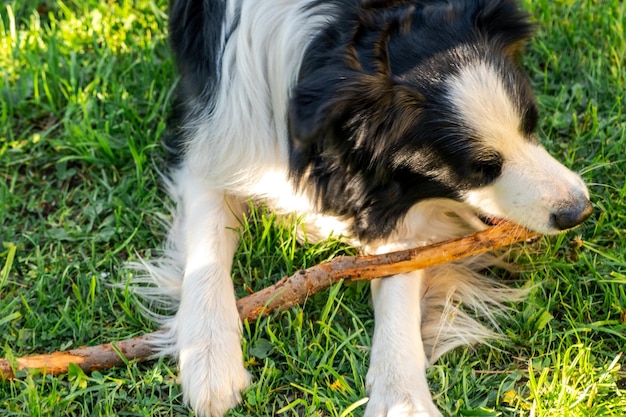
(85, 90)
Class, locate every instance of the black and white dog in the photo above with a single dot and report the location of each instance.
(392, 123)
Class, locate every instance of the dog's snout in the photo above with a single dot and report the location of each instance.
(572, 215)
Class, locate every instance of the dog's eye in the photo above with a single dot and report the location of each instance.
(487, 168)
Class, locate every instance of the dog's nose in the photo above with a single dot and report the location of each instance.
(572, 215)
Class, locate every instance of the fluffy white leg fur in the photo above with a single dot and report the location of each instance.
(396, 380)
(205, 333)
(422, 315)
(208, 328)
(461, 306)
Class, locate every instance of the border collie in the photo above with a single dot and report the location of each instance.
(392, 123)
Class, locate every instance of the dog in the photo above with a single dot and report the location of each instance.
(391, 123)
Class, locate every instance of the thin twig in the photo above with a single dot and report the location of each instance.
(286, 293)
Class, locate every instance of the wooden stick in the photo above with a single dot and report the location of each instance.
(285, 294)
(89, 358)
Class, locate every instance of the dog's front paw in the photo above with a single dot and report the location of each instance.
(386, 407)
(398, 394)
(213, 378)
(396, 404)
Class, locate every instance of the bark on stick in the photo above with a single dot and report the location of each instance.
(284, 294)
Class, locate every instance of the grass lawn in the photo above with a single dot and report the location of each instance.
(85, 88)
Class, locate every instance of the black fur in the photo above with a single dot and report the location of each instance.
(197, 44)
(196, 38)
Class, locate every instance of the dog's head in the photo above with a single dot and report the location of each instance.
(523, 183)
(427, 101)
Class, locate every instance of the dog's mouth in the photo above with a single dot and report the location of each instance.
(491, 220)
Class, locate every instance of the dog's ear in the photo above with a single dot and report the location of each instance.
(360, 119)
(350, 104)
(504, 22)
(357, 82)
(317, 102)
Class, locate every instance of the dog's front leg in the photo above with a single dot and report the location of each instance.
(207, 324)
(396, 380)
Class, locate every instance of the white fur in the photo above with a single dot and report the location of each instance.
(396, 379)
(259, 66)
(220, 173)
